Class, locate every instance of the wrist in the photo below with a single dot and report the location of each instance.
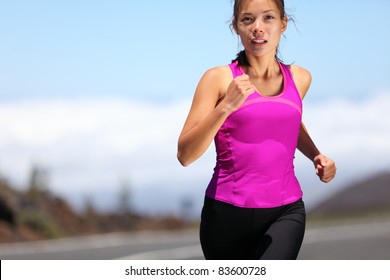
(315, 156)
(225, 108)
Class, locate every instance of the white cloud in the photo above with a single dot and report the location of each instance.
(87, 134)
(356, 132)
(91, 145)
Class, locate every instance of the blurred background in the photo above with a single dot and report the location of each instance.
(93, 95)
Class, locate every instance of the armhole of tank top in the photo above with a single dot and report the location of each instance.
(288, 71)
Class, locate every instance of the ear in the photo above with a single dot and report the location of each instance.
(234, 25)
(284, 24)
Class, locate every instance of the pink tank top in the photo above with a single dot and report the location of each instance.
(255, 149)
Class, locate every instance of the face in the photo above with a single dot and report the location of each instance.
(260, 27)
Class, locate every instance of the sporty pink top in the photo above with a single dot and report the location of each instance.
(255, 149)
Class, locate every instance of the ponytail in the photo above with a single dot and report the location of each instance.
(242, 59)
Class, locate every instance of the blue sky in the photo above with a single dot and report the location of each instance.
(158, 50)
(97, 91)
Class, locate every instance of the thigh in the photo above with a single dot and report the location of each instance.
(225, 231)
(283, 239)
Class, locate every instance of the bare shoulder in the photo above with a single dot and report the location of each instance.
(302, 79)
(216, 79)
(300, 74)
(207, 95)
(218, 74)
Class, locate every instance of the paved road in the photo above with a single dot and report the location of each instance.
(352, 240)
(100, 247)
(348, 241)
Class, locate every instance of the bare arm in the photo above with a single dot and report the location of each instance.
(325, 167)
(214, 100)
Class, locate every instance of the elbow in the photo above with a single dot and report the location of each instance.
(182, 159)
(183, 163)
(186, 154)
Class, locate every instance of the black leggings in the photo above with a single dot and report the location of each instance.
(229, 232)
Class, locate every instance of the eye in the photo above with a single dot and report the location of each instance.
(269, 17)
(247, 20)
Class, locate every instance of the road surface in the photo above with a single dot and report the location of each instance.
(360, 240)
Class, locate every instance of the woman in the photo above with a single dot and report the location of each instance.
(253, 207)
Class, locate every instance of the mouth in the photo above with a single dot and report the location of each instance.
(262, 41)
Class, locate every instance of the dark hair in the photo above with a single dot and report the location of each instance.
(241, 56)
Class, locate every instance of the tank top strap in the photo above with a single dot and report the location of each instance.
(236, 70)
(287, 71)
(291, 90)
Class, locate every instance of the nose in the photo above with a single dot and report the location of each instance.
(257, 27)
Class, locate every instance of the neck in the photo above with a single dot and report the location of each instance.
(262, 67)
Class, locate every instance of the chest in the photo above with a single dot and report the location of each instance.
(269, 87)
(261, 119)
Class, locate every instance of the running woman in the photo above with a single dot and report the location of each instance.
(252, 109)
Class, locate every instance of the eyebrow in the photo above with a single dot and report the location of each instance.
(264, 12)
(270, 10)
